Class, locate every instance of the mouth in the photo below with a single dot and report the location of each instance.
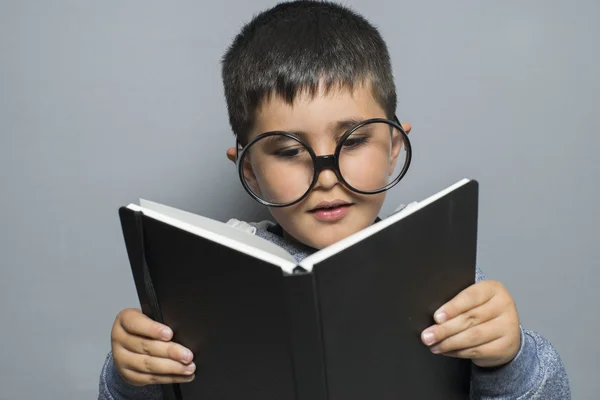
(329, 211)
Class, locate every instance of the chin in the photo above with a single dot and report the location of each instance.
(326, 236)
(321, 244)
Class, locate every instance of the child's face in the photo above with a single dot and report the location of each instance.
(317, 116)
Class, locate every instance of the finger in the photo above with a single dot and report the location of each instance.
(152, 365)
(473, 296)
(460, 323)
(134, 322)
(140, 379)
(151, 347)
(406, 126)
(472, 337)
(487, 355)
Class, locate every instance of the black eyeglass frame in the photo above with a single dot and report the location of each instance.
(329, 161)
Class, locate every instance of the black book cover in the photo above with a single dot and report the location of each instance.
(374, 308)
(349, 329)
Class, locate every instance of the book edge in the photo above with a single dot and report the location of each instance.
(285, 265)
(309, 262)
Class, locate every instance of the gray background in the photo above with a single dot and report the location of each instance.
(105, 102)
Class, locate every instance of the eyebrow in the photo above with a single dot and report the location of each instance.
(336, 127)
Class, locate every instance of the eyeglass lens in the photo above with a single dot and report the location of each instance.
(279, 169)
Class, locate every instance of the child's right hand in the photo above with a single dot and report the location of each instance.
(144, 354)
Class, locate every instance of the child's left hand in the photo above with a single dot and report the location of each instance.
(480, 323)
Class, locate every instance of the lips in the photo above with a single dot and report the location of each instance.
(331, 211)
(324, 205)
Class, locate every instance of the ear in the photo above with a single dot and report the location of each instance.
(231, 154)
(407, 127)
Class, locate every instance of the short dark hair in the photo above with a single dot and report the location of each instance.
(295, 45)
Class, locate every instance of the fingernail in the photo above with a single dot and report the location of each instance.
(435, 349)
(428, 338)
(165, 333)
(190, 368)
(186, 356)
(440, 317)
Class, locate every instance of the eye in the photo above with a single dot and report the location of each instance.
(353, 142)
(289, 152)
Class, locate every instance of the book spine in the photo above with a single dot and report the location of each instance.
(133, 233)
(306, 337)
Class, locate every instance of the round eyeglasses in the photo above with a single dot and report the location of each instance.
(278, 169)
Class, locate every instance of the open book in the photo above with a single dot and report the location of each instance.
(346, 325)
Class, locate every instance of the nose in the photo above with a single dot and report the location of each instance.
(326, 179)
(326, 173)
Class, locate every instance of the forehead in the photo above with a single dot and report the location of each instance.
(317, 114)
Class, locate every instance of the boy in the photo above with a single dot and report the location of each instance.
(314, 72)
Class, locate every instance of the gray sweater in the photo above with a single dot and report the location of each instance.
(536, 372)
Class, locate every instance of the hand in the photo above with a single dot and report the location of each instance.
(144, 354)
(480, 323)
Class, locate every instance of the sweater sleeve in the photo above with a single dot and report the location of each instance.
(113, 387)
(536, 372)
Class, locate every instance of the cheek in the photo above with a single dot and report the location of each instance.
(271, 181)
(287, 217)
(373, 201)
(282, 182)
(370, 171)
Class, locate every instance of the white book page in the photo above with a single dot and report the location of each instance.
(219, 232)
(309, 262)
